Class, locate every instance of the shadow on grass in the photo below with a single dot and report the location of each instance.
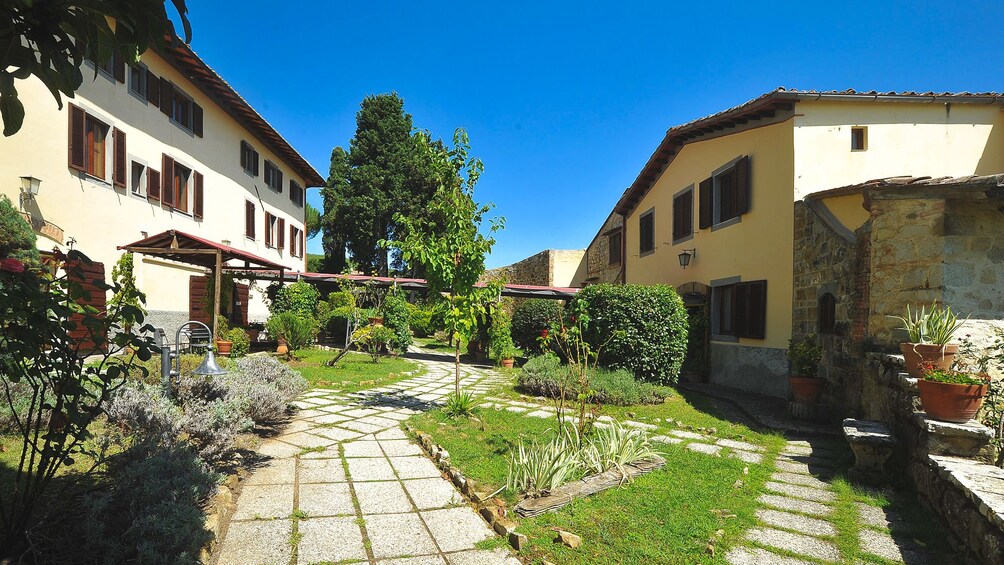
(721, 409)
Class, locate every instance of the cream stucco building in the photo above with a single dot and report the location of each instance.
(165, 144)
(721, 189)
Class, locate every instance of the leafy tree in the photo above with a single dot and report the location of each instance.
(313, 221)
(448, 242)
(17, 240)
(125, 280)
(386, 172)
(50, 39)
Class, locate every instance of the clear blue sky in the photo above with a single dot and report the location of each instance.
(565, 101)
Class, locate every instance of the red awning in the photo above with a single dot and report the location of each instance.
(187, 248)
(514, 290)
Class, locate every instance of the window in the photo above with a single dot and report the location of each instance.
(95, 133)
(725, 196)
(614, 248)
(826, 314)
(181, 188)
(683, 215)
(138, 178)
(180, 107)
(138, 81)
(270, 228)
(273, 176)
(296, 193)
(112, 69)
(646, 232)
(295, 241)
(249, 159)
(249, 221)
(181, 177)
(859, 139)
(740, 309)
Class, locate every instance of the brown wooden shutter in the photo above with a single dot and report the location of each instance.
(707, 202)
(282, 234)
(166, 96)
(249, 219)
(197, 119)
(743, 185)
(268, 234)
(86, 342)
(255, 163)
(242, 293)
(197, 206)
(292, 240)
(152, 184)
(119, 68)
(278, 180)
(76, 138)
(740, 318)
(244, 155)
(757, 317)
(198, 291)
(119, 174)
(167, 170)
(152, 88)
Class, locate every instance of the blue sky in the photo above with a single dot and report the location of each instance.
(565, 101)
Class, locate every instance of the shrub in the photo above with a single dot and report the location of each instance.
(145, 413)
(395, 317)
(538, 468)
(298, 331)
(341, 299)
(642, 329)
(373, 340)
(804, 356)
(266, 386)
(458, 405)
(146, 509)
(530, 319)
(16, 411)
(545, 376)
(299, 298)
(500, 344)
(17, 240)
(213, 426)
(420, 320)
(241, 342)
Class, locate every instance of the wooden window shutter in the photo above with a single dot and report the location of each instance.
(281, 234)
(243, 293)
(198, 291)
(197, 119)
(119, 158)
(167, 170)
(249, 219)
(119, 68)
(757, 318)
(293, 240)
(278, 180)
(743, 185)
(255, 168)
(152, 88)
(741, 308)
(152, 184)
(707, 203)
(166, 96)
(76, 138)
(268, 233)
(197, 206)
(244, 155)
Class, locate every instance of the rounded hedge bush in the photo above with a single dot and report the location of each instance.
(644, 329)
(396, 317)
(530, 318)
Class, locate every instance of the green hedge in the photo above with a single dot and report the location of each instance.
(545, 375)
(644, 329)
(395, 316)
(530, 318)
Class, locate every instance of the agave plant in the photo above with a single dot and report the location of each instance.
(458, 405)
(936, 325)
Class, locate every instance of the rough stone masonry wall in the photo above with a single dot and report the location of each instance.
(907, 261)
(826, 262)
(535, 270)
(598, 267)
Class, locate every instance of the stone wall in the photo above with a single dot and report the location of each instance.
(551, 267)
(759, 370)
(598, 267)
(826, 262)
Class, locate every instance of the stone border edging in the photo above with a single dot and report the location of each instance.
(501, 525)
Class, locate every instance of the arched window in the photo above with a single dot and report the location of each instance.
(827, 313)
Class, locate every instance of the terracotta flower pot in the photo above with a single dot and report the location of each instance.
(916, 355)
(951, 402)
(508, 363)
(376, 321)
(223, 347)
(806, 390)
(283, 348)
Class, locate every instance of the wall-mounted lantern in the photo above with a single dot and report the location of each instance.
(686, 256)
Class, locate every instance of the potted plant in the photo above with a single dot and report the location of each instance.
(929, 332)
(804, 356)
(952, 395)
(507, 356)
(223, 343)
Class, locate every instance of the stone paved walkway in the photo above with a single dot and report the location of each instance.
(346, 485)
(797, 516)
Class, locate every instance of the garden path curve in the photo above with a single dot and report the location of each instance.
(345, 484)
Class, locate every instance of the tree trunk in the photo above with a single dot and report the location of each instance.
(456, 354)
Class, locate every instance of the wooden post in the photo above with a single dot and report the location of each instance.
(216, 293)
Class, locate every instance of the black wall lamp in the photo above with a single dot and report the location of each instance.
(686, 255)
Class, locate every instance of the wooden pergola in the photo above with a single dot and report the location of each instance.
(193, 250)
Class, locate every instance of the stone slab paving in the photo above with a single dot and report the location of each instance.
(796, 517)
(345, 484)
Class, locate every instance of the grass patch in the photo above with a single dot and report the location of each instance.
(667, 516)
(433, 343)
(355, 371)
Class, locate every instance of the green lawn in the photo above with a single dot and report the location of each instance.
(355, 371)
(667, 516)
